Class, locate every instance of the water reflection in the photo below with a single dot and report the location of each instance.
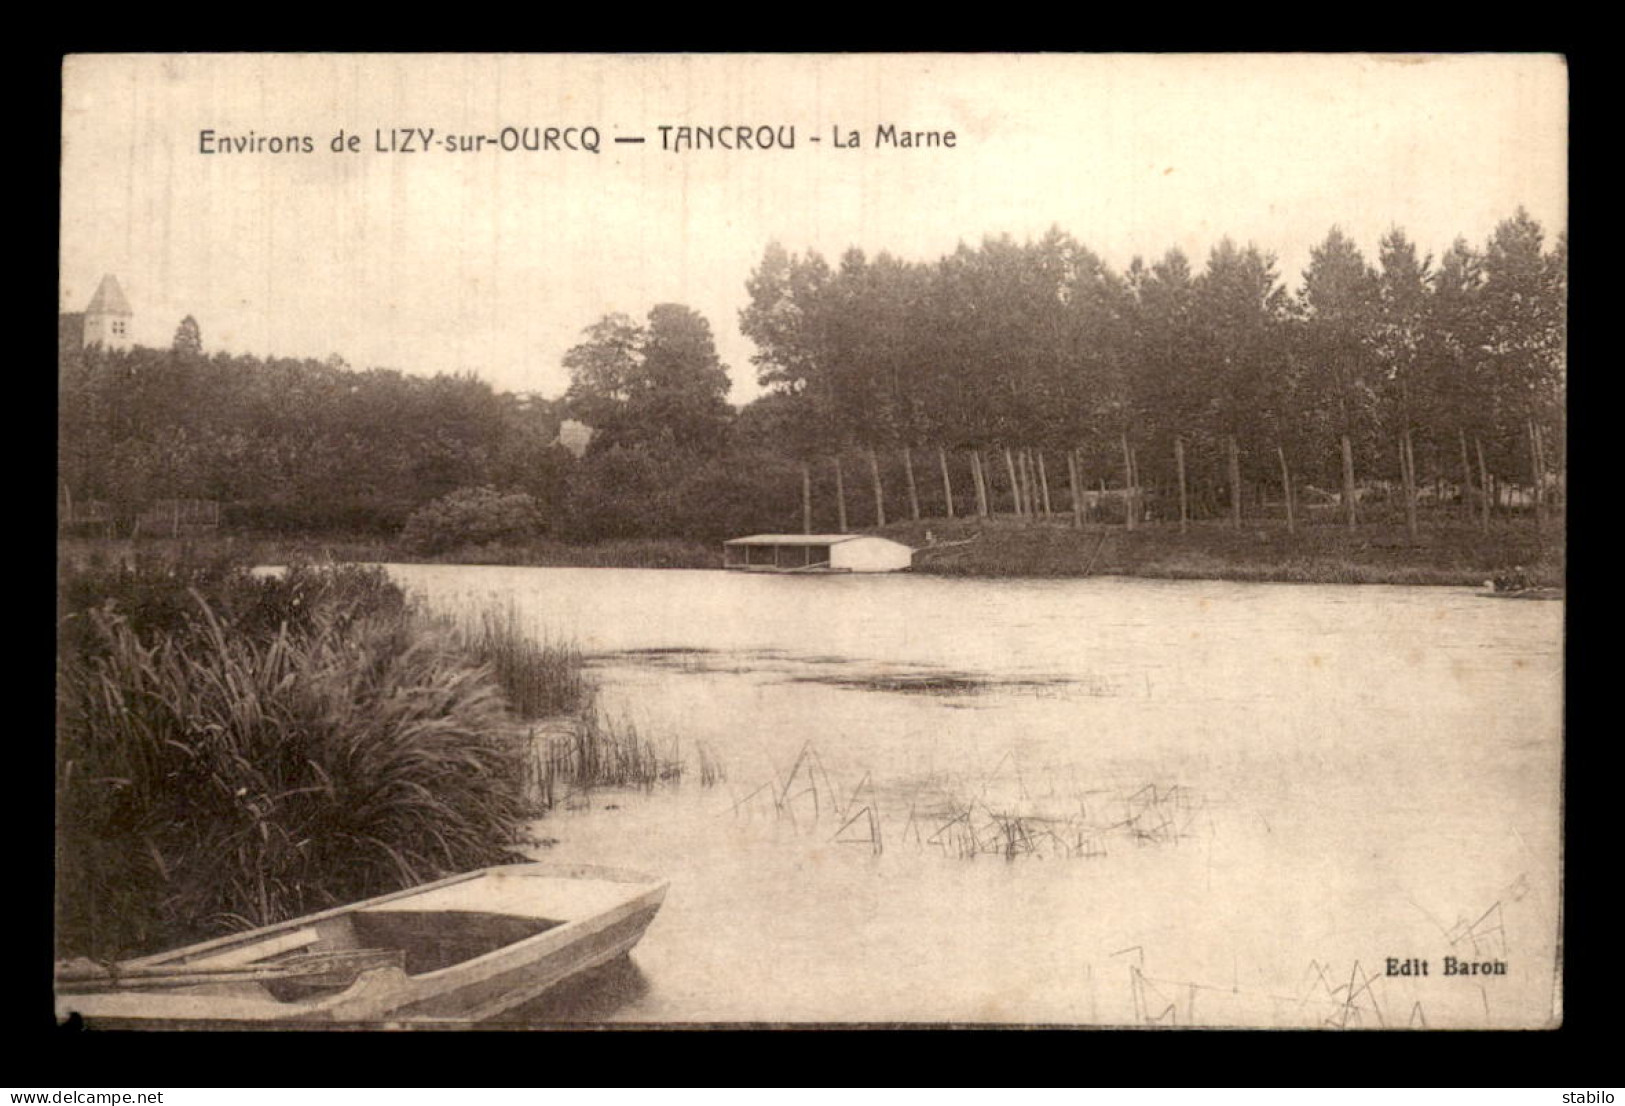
(593, 996)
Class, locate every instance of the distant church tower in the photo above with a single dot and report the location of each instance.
(107, 319)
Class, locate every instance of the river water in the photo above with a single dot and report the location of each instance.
(1097, 801)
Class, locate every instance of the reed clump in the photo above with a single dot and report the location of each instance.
(233, 750)
(590, 750)
(540, 677)
(576, 748)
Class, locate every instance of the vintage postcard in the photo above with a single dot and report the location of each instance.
(1064, 540)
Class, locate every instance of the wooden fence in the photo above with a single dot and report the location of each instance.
(174, 517)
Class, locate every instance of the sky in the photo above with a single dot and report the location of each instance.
(495, 261)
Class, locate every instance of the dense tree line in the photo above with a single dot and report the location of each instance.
(291, 444)
(1217, 387)
(294, 446)
(1026, 377)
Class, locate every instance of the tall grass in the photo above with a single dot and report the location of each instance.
(236, 749)
(590, 751)
(210, 777)
(541, 678)
(578, 747)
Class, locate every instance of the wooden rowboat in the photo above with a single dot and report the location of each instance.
(466, 948)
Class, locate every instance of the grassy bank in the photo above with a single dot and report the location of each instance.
(1444, 552)
(235, 750)
(322, 549)
(1447, 550)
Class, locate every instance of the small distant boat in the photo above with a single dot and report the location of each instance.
(1523, 593)
(815, 553)
(466, 948)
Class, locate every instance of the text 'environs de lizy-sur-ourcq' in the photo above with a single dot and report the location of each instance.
(674, 138)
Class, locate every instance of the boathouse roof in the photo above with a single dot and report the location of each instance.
(797, 539)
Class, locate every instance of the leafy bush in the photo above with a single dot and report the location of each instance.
(328, 514)
(649, 492)
(159, 595)
(472, 516)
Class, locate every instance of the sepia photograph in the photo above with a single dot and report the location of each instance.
(811, 540)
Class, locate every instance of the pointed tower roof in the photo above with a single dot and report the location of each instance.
(109, 299)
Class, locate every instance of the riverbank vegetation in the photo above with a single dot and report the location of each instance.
(1026, 380)
(234, 749)
(263, 549)
(1034, 380)
(1377, 552)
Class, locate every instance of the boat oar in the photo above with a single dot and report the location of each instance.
(337, 968)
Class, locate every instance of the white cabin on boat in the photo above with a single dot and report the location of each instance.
(816, 553)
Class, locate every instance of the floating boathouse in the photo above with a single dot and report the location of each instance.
(815, 553)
